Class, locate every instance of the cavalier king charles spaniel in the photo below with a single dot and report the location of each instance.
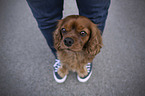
(77, 41)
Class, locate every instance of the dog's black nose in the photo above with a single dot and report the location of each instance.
(68, 41)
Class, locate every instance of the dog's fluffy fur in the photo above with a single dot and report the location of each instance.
(84, 48)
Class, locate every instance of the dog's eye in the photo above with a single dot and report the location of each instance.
(83, 33)
(63, 30)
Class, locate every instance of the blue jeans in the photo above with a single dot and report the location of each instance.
(48, 12)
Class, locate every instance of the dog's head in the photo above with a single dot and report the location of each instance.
(77, 33)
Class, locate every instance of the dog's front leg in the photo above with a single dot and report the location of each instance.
(62, 71)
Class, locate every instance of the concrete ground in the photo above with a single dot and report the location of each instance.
(26, 62)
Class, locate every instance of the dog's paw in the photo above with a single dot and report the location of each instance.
(83, 73)
(62, 72)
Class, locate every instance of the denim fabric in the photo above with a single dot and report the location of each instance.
(48, 12)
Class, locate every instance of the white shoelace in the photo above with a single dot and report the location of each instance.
(88, 67)
(56, 65)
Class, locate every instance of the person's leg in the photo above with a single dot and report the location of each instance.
(96, 10)
(47, 13)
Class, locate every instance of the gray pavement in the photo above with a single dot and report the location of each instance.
(26, 62)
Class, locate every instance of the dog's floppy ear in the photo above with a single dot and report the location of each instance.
(57, 35)
(95, 42)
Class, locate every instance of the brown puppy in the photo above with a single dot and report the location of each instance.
(77, 41)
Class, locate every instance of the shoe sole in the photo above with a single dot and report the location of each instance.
(84, 80)
(59, 80)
